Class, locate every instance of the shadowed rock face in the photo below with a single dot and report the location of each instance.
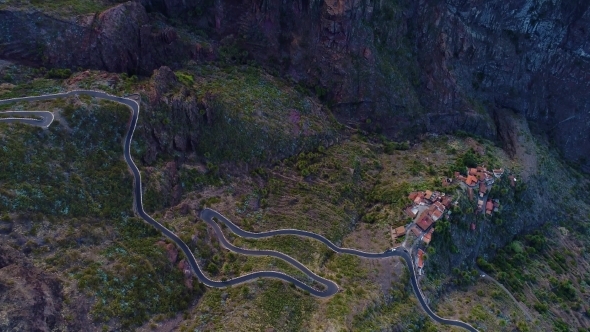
(528, 56)
(31, 300)
(438, 66)
(119, 39)
(398, 68)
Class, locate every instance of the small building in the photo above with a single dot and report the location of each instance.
(489, 207)
(419, 200)
(399, 231)
(436, 215)
(512, 180)
(472, 172)
(496, 205)
(471, 181)
(479, 203)
(435, 196)
(428, 237)
(481, 176)
(412, 196)
(498, 172)
(489, 180)
(420, 258)
(447, 201)
(482, 189)
(425, 222)
(428, 194)
(439, 206)
(411, 211)
(416, 231)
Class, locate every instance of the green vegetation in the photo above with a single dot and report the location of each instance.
(58, 73)
(284, 308)
(137, 281)
(185, 78)
(401, 313)
(304, 250)
(68, 173)
(257, 117)
(74, 175)
(37, 86)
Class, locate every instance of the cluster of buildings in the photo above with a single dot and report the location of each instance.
(481, 179)
(428, 206)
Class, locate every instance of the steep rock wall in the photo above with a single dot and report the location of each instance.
(120, 39)
(441, 66)
(399, 68)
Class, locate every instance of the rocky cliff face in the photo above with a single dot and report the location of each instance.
(120, 39)
(31, 299)
(394, 67)
(384, 64)
(528, 56)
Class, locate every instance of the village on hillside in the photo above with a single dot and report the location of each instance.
(427, 207)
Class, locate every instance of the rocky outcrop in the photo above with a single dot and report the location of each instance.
(31, 300)
(120, 39)
(171, 251)
(180, 129)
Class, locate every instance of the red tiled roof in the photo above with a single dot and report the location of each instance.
(437, 214)
(420, 258)
(489, 205)
(481, 176)
(401, 230)
(424, 223)
(472, 171)
(428, 237)
(471, 180)
(439, 206)
(409, 212)
(482, 188)
(412, 196)
(428, 194)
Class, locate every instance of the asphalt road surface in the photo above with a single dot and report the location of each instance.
(211, 217)
(25, 117)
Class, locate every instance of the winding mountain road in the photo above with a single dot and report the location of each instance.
(211, 217)
(25, 117)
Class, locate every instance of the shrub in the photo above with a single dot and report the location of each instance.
(58, 73)
(184, 78)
